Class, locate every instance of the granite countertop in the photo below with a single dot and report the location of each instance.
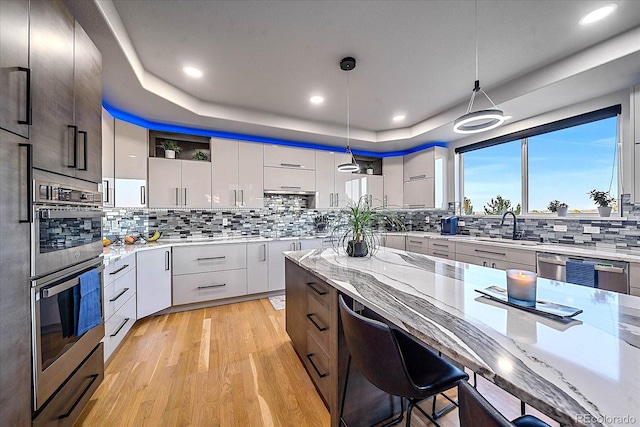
(588, 365)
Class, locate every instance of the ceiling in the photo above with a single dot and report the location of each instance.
(262, 60)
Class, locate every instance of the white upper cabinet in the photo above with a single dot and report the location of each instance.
(179, 183)
(419, 194)
(372, 187)
(346, 184)
(325, 179)
(237, 178)
(250, 177)
(131, 148)
(392, 170)
(108, 160)
(419, 165)
(293, 180)
(289, 157)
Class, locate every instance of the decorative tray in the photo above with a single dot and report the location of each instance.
(545, 308)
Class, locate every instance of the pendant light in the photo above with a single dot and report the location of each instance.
(481, 120)
(347, 64)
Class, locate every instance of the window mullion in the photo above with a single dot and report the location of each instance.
(524, 203)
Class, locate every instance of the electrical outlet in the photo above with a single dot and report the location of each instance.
(591, 230)
(461, 223)
(225, 222)
(558, 227)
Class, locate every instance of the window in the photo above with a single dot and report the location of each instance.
(526, 171)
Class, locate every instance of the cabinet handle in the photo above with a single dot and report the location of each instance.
(417, 177)
(441, 254)
(292, 187)
(417, 206)
(122, 292)
(484, 263)
(119, 270)
(299, 246)
(166, 261)
(441, 245)
(143, 195)
(93, 378)
(27, 93)
(293, 245)
(290, 165)
(210, 258)
(85, 143)
(212, 286)
(75, 146)
(120, 327)
(319, 292)
(264, 252)
(493, 265)
(330, 200)
(386, 202)
(489, 252)
(185, 196)
(30, 184)
(318, 327)
(106, 186)
(177, 196)
(235, 198)
(241, 197)
(416, 242)
(315, 367)
(337, 204)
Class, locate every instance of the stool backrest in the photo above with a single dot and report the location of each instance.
(375, 352)
(475, 411)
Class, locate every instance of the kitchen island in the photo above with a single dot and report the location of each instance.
(582, 371)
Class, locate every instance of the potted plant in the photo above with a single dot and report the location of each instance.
(603, 199)
(355, 227)
(199, 155)
(369, 168)
(559, 207)
(170, 148)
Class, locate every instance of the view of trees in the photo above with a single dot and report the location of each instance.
(498, 206)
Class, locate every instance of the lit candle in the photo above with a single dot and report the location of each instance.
(521, 287)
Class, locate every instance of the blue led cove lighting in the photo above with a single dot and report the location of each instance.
(130, 118)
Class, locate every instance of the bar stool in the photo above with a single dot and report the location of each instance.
(395, 363)
(475, 411)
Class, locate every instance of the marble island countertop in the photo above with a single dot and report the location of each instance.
(584, 371)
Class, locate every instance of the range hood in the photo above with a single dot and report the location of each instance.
(290, 190)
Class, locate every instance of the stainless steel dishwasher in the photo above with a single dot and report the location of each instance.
(612, 275)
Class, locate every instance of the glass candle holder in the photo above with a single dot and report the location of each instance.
(521, 287)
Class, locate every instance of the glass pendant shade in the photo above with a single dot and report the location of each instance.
(478, 121)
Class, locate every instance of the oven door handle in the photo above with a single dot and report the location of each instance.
(55, 214)
(55, 290)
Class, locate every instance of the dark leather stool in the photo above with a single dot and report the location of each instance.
(475, 411)
(395, 363)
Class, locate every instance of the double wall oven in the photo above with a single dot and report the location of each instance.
(68, 361)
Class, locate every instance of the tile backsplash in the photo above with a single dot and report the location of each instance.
(289, 215)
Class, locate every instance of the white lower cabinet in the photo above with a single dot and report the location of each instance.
(201, 287)
(119, 304)
(153, 281)
(276, 258)
(391, 241)
(417, 244)
(257, 267)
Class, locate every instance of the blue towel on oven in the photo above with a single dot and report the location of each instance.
(581, 273)
(90, 314)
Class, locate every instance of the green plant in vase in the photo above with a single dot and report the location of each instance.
(170, 148)
(603, 200)
(198, 154)
(356, 226)
(558, 207)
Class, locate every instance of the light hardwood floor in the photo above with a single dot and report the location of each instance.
(231, 365)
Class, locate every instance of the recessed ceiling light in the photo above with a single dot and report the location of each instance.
(398, 117)
(316, 99)
(598, 14)
(192, 72)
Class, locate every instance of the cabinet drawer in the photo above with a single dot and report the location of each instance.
(497, 253)
(117, 269)
(118, 325)
(279, 179)
(289, 157)
(417, 244)
(320, 291)
(318, 366)
(205, 258)
(118, 292)
(318, 321)
(469, 259)
(201, 287)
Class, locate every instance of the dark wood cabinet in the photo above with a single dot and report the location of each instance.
(14, 63)
(296, 296)
(66, 88)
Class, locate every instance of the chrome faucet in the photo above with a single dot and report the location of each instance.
(515, 236)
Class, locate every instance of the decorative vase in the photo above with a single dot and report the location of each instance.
(604, 211)
(169, 154)
(562, 211)
(357, 249)
(369, 171)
